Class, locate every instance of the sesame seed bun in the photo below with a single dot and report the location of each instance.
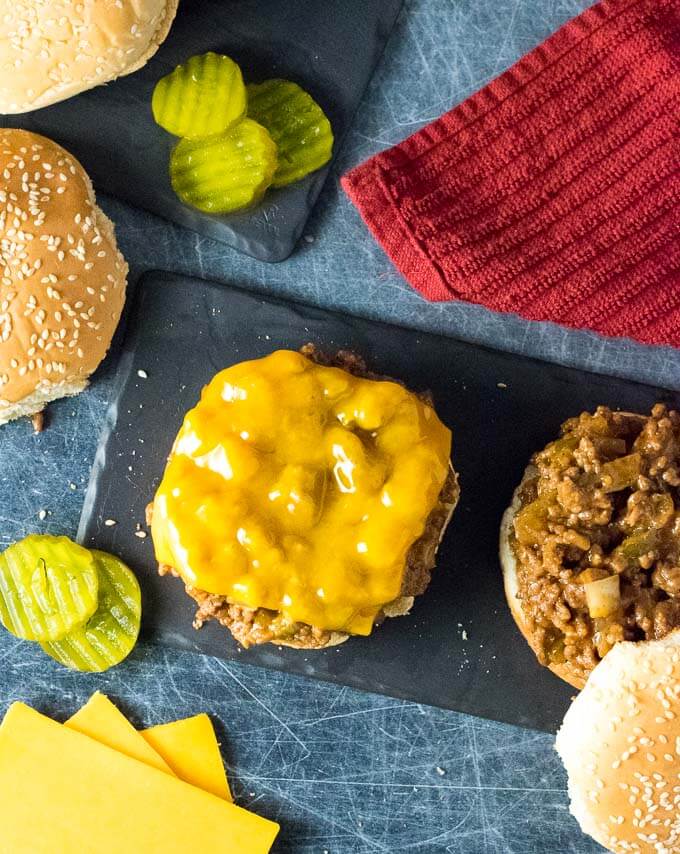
(62, 278)
(511, 584)
(53, 49)
(620, 744)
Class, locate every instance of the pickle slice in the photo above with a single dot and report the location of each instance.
(48, 587)
(224, 173)
(111, 632)
(297, 125)
(202, 97)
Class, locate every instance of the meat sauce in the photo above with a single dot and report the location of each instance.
(597, 537)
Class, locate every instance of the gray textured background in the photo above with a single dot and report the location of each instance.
(341, 771)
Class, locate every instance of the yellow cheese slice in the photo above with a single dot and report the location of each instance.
(186, 748)
(191, 750)
(101, 720)
(62, 791)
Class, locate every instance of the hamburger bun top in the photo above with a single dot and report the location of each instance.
(53, 49)
(620, 745)
(62, 278)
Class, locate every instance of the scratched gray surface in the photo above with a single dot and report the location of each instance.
(342, 771)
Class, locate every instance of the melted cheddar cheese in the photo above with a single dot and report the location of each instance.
(300, 488)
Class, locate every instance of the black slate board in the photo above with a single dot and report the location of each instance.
(329, 47)
(459, 647)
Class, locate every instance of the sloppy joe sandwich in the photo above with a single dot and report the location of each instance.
(62, 278)
(304, 499)
(590, 547)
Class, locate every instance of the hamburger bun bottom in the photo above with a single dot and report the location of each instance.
(511, 584)
(36, 402)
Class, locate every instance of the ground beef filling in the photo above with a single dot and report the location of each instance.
(597, 537)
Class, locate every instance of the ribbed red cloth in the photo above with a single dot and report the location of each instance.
(553, 192)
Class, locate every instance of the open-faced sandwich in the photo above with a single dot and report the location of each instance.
(590, 547)
(304, 499)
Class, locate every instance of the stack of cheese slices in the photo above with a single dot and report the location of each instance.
(97, 784)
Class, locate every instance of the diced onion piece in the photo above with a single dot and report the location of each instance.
(603, 596)
(590, 574)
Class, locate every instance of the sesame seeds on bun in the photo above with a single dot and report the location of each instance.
(62, 278)
(53, 49)
(620, 744)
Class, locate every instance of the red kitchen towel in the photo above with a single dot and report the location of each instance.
(553, 192)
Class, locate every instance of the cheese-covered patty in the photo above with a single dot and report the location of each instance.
(300, 488)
